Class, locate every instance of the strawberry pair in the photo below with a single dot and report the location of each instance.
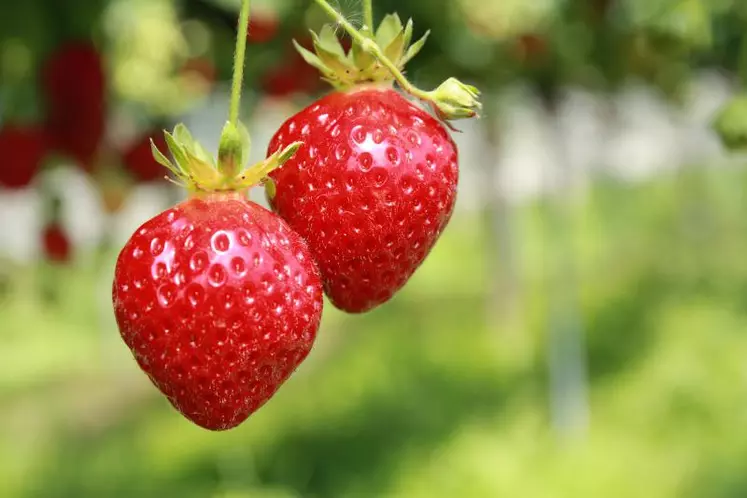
(220, 299)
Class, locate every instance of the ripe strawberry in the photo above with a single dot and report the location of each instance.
(138, 159)
(74, 85)
(23, 150)
(375, 185)
(56, 244)
(218, 299)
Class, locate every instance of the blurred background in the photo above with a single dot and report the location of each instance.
(580, 330)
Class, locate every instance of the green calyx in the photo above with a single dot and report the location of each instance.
(198, 171)
(360, 65)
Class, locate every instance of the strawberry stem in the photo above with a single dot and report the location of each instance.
(195, 169)
(238, 63)
(368, 20)
(451, 100)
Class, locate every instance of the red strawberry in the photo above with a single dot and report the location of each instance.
(56, 244)
(23, 150)
(293, 76)
(373, 188)
(138, 158)
(218, 299)
(74, 85)
(262, 27)
(371, 193)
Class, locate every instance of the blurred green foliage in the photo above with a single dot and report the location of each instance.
(422, 398)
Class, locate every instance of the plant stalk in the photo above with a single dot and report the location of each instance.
(368, 19)
(372, 48)
(238, 62)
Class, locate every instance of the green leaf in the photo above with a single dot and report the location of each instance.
(413, 50)
(742, 62)
(390, 26)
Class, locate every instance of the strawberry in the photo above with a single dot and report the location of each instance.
(218, 299)
(56, 244)
(375, 186)
(138, 159)
(293, 76)
(263, 26)
(23, 150)
(74, 85)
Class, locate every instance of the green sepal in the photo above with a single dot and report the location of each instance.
(327, 39)
(270, 188)
(389, 28)
(415, 48)
(197, 170)
(455, 100)
(361, 58)
(258, 172)
(358, 66)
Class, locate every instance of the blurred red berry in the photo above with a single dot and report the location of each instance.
(293, 76)
(73, 83)
(138, 158)
(22, 150)
(262, 27)
(56, 244)
(200, 67)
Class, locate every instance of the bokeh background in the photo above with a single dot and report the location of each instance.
(580, 330)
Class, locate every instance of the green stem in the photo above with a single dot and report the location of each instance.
(238, 62)
(372, 48)
(368, 15)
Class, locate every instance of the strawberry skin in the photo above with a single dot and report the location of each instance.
(219, 301)
(22, 150)
(371, 191)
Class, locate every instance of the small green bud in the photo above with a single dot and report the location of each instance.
(455, 100)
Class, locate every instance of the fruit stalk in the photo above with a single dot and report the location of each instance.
(451, 100)
(238, 63)
(368, 19)
(372, 48)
